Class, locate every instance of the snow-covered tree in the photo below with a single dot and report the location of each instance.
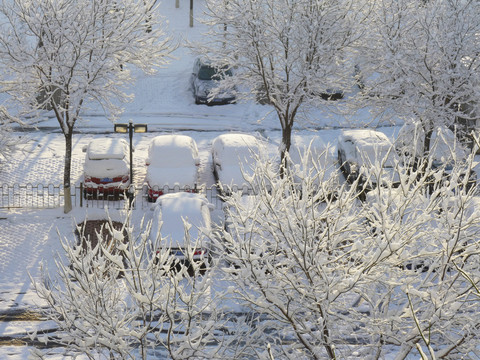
(121, 299)
(8, 143)
(334, 277)
(421, 60)
(283, 52)
(65, 56)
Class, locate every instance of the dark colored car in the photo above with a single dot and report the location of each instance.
(360, 149)
(205, 79)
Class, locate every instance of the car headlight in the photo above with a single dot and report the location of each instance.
(202, 90)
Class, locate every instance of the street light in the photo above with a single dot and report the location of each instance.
(130, 128)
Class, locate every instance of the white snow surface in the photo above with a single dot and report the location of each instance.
(107, 158)
(106, 168)
(313, 147)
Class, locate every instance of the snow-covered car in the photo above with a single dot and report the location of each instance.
(247, 239)
(172, 163)
(204, 80)
(168, 236)
(313, 158)
(361, 149)
(445, 150)
(415, 247)
(107, 167)
(234, 155)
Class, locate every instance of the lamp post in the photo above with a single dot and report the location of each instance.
(130, 128)
(191, 13)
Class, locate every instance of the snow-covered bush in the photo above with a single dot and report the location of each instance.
(335, 277)
(119, 301)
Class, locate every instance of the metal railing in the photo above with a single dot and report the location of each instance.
(50, 196)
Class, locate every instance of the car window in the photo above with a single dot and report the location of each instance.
(206, 73)
(210, 73)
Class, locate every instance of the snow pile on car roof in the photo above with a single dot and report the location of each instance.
(173, 209)
(230, 149)
(369, 146)
(316, 155)
(365, 138)
(107, 148)
(172, 151)
(443, 143)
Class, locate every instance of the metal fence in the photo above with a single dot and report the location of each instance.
(50, 196)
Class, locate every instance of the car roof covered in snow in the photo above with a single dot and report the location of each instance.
(443, 144)
(320, 154)
(173, 208)
(367, 146)
(235, 147)
(107, 148)
(366, 138)
(172, 151)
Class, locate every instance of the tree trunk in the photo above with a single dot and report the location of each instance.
(286, 142)
(427, 142)
(67, 172)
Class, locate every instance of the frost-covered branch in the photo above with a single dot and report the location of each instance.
(329, 274)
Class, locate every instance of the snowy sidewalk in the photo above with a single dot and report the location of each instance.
(27, 238)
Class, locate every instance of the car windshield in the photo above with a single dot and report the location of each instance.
(209, 73)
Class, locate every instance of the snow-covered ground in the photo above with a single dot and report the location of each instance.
(29, 238)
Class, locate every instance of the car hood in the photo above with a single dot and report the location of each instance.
(107, 168)
(205, 84)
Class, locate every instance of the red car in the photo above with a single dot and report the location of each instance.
(172, 165)
(107, 167)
